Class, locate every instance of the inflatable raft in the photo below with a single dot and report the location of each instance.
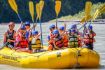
(66, 58)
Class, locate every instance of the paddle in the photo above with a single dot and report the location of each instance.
(13, 5)
(87, 16)
(57, 9)
(31, 10)
(39, 9)
(98, 12)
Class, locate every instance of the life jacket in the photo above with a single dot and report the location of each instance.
(36, 43)
(23, 44)
(73, 41)
(10, 35)
(89, 39)
(59, 42)
(65, 39)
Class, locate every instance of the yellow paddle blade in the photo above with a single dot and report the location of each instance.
(31, 9)
(57, 7)
(102, 9)
(95, 15)
(86, 18)
(98, 12)
(13, 5)
(88, 8)
(38, 10)
(41, 4)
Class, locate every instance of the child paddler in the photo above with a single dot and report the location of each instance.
(89, 37)
(35, 41)
(10, 35)
(64, 34)
(74, 39)
(21, 40)
(56, 42)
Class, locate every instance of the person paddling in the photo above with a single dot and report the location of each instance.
(64, 35)
(28, 29)
(89, 37)
(56, 42)
(10, 35)
(21, 40)
(35, 41)
(74, 39)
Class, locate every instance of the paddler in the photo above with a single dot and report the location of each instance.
(28, 29)
(21, 40)
(10, 35)
(56, 42)
(74, 39)
(64, 34)
(89, 37)
(35, 41)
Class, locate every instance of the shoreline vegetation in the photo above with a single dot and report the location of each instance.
(77, 17)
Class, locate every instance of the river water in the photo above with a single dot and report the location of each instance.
(99, 45)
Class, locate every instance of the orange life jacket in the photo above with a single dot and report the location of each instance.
(65, 41)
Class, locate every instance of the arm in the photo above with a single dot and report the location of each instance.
(4, 38)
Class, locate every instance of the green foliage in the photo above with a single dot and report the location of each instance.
(69, 7)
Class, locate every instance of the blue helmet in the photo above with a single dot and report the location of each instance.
(27, 23)
(52, 26)
(62, 28)
(73, 26)
(55, 32)
(22, 27)
(72, 30)
(34, 32)
(90, 27)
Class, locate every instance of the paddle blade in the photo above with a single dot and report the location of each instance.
(88, 8)
(98, 12)
(41, 4)
(86, 18)
(31, 9)
(13, 5)
(37, 10)
(102, 9)
(57, 7)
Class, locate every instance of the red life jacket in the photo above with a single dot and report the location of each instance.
(59, 42)
(23, 44)
(89, 39)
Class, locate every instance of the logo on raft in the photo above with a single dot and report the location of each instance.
(10, 57)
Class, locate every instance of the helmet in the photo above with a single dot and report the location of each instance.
(27, 23)
(72, 30)
(55, 32)
(52, 26)
(90, 27)
(62, 28)
(22, 27)
(11, 23)
(34, 32)
(73, 26)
